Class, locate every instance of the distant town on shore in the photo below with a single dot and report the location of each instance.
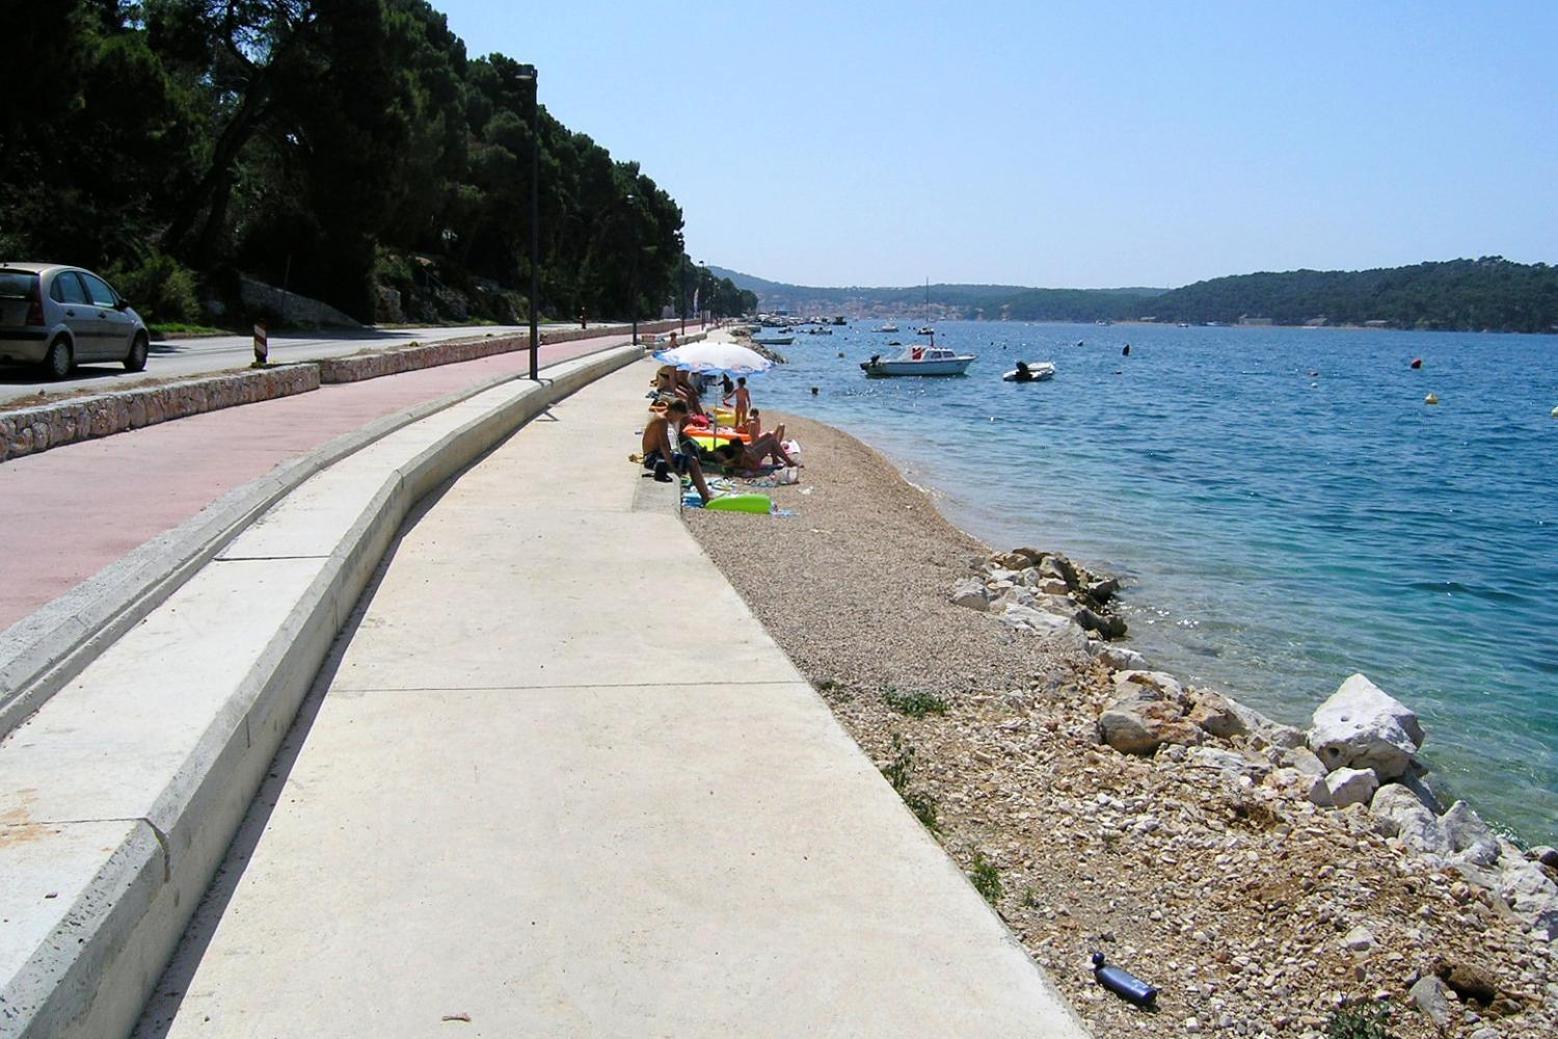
(1486, 294)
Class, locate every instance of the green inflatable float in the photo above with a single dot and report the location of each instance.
(759, 503)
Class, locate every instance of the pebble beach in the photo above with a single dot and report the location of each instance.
(1253, 912)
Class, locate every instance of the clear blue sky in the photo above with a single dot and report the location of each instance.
(1063, 144)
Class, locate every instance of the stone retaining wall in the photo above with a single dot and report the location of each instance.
(31, 430)
(372, 365)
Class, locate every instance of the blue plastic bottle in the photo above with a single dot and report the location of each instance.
(1123, 983)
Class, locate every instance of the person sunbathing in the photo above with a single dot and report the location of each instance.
(687, 391)
(661, 433)
(755, 456)
(754, 427)
(671, 384)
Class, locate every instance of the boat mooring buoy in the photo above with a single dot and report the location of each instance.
(814, 391)
(1432, 398)
(1417, 362)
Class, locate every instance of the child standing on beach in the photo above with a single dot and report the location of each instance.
(743, 402)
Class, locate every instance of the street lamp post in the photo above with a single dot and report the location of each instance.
(703, 289)
(633, 268)
(528, 72)
(682, 263)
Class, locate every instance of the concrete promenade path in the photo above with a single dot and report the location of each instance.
(556, 780)
(69, 512)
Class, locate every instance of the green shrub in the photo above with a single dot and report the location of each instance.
(1360, 1021)
(915, 705)
(161, 289)
(899, 772)
(986, 878)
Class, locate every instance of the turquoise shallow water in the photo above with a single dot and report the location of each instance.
(1279, 529)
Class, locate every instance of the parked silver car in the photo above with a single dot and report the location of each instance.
(60, 317)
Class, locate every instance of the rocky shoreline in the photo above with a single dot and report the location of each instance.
(1263, 877)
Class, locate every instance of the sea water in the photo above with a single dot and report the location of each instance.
(1284, 505)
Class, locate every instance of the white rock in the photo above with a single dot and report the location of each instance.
(1419, 786)
(1469, 835)
(1303, 759)
(1116, 658)
(1063, 631)
(1429, 996)
(1293, 783)
(1359, 939)
(1161, 683)
(1532, 896)
(1361, 726)
(1229, 761)
(1398, 813)
(1263, 729)
(1012, 597)
(1351, 786)
(971, 593)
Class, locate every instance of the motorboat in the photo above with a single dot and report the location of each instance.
(1039, 371)
(918, 359)
(889, 327)
(925, 331)
(773, 340)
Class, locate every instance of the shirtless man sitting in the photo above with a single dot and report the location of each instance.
(661, 434)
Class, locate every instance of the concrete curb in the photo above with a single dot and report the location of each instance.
(28, 431)
(132, 883)
(42, 652)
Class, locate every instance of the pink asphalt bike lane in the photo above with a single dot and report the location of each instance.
(69, 512)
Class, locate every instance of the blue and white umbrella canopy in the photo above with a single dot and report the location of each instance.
(708, 358)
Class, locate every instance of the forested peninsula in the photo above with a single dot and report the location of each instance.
(347, 150)
(1457, 295)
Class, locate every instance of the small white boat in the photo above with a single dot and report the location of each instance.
(919, 360)
(1039, 371)
(773, 340)
(889, 327)
(926, 331)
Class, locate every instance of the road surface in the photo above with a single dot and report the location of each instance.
(198, 356)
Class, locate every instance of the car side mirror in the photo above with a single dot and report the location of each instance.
(122, 304)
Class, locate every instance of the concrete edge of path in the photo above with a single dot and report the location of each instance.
(126, 887)
(43, 651)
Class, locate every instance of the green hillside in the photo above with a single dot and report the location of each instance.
(1013, 302)
(1457, 295)
(1454, 295)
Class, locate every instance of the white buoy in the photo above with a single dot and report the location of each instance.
(1432, 398)
(1555, 413)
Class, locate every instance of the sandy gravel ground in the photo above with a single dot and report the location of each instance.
(1253, 914)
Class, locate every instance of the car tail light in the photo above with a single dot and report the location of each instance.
(35, 306)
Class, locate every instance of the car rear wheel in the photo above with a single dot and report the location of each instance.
(59, 360)
(135, 360)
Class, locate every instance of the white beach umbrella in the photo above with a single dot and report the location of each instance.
(710, 358)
